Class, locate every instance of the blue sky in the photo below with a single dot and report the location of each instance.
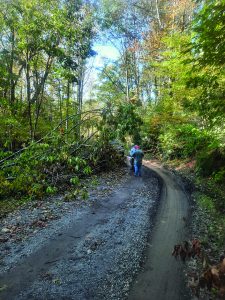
(104, 53)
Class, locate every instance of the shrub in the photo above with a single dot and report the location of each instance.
(212, 162)
(46, 168)
(182, 141)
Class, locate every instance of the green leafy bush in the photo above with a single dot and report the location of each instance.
(182, 141)
(219, 176)
(212, 162)
(50, 167)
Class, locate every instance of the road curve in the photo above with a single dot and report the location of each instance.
(94, 252)
(162, 276)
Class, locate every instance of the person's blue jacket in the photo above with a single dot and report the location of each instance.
(132, 150)
(138, 156)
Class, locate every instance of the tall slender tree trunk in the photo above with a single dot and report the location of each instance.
(136, 76)
(67, 107)
(80, 90)
(29, 96)
(157, 12)
(80, 85)
(39, 93)
(60, 102)
(12, 85)
(127, 83)
(156, 90)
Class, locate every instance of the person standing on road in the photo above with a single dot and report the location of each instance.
(138, 156)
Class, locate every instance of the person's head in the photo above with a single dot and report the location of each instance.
(136, 147)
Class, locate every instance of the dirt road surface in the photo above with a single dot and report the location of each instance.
(162, 278)
(119, 247)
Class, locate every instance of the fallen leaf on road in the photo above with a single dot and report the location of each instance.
(56, 281)
(39, 223)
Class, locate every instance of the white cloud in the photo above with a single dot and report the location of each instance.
(106, 51)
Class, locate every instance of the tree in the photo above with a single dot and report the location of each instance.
(44, 44)
(208, 41)
(124, 24)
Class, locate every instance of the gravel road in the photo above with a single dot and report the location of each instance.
(108, 249)
(162, 277)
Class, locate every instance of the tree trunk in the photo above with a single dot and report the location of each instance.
(12, 85)
(127, 83)
(29, 97)
(67, 108)
(60, 102)
(157, 12)
(39, 93)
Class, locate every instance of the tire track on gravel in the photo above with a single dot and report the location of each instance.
(95, 255)
(162, 276)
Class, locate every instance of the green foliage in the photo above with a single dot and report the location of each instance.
(75, 180)
(207, 203)
(51, 190)
(219, 176)
(182, 141)
(161, 92)
(214, 231)
(209, 33)
(128, 122)
(44, 50)
(123, 121)
(87, 171)
(84, 195)
(104, 155)
(47, 167)
(186, 115)
(211, 162)
(209, 101)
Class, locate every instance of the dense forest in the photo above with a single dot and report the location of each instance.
(165, 91)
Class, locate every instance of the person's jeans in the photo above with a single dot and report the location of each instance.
(137, 169)
(132, 164)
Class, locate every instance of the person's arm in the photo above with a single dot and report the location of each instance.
(132, 151)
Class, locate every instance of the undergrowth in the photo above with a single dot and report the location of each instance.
(53, 166)
(207, 225)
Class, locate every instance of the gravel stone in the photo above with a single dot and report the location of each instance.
(103, 263)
